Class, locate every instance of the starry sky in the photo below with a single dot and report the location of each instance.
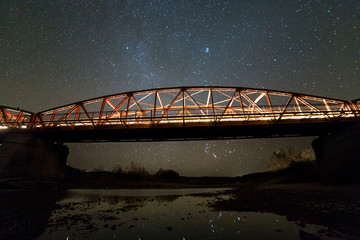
(53, 53)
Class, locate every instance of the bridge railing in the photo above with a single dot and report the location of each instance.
(173, 118)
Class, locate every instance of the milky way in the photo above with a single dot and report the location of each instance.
(57, 52)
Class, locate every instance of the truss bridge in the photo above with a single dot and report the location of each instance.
(186, 113)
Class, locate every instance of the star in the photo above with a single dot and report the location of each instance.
(54, 53)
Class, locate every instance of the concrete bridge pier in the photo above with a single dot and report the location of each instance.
(25, 156)
(338, 155)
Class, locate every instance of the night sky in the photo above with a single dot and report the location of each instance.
(54, 53)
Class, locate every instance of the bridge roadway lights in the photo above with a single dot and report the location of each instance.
(338, 155)
(25, 156)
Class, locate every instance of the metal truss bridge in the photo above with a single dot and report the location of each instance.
(186, 113)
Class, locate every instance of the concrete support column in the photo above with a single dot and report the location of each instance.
(28, 157)
(338, 155)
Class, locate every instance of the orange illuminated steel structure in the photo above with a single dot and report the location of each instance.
(196, 106)
(186, 107)
(15, 118)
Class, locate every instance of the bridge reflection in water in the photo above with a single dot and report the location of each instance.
(187, 113)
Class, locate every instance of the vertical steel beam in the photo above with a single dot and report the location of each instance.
(207, 102)
(183, 105)
(212, 105)
(102, 110)
(241, 102)
(127, 108)
(155, 103)
(269, 102)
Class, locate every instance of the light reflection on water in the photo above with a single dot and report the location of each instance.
(141, 192)
(161, 214)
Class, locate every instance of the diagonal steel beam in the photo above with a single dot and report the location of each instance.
(64, 116)
(303, 101)
(53, 116)
(241, 102)
(251, 102)
(138, 105)
(102, 109)
(18, 117)
(5, 116)
(228, 105)
(285, 107)
(297, 104)
(193, 100)
(170, 105)
(116, 109)
(87, 114)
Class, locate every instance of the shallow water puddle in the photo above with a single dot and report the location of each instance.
(165, 214)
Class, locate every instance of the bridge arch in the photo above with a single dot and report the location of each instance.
(201, 106)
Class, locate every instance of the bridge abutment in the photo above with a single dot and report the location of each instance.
(338, 155)
(28, 157)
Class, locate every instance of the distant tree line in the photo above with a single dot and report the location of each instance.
(136, 170)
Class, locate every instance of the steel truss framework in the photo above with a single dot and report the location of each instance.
(15, 117)
(186, 106)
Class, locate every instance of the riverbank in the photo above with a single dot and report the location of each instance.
(77, 179)
(336, 206)
(297, 196)
(282, 211)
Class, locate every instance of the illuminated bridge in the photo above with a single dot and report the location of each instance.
(186, 113)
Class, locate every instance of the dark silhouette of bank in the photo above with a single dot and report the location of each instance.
(25, 214)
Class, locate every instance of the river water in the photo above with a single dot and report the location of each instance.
(138, 214)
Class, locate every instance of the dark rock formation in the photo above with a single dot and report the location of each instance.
(28, 157)
(338, 155)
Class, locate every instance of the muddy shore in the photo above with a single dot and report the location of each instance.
(334, 206)
(300, 196)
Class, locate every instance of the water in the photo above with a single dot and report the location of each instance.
(140, 214)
